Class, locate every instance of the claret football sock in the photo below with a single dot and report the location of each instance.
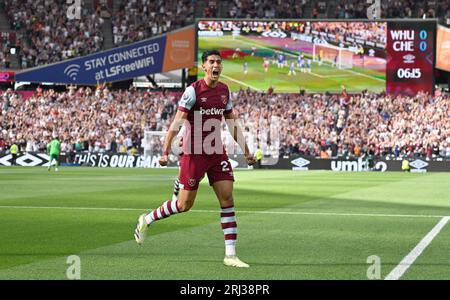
(168, 208)
(229, 228)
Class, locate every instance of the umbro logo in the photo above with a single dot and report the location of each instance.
(419, 166)
(203, 99)
(300, 163)
(409, 59)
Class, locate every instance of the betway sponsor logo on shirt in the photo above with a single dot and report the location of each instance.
(211, 111)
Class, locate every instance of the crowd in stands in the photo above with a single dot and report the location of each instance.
(389, 9)
(51, 34)
(330, 125)
(137, 20)
(289, 9)
(8, 40)
(343, 9)
(84, 119)
(5, 56)
(368, 31)
(354, 9)
(321, 125)
(104, 8)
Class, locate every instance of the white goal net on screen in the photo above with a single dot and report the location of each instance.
(340, 57)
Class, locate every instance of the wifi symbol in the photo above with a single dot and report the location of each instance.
(72, 71)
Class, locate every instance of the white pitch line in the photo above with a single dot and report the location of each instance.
(239, 211)
(318, 75)
(240, 82)
(315, 74)
(409, 259)
(337, 76)
(364, 75)
(71, 208)
(327, 214)
(310, 72)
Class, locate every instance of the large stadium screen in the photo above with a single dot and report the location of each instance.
(315, 56)
(443, 48)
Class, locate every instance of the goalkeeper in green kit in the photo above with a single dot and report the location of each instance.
(53, 149)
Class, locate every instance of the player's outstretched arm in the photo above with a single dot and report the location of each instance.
(174, 128)
(238, 136)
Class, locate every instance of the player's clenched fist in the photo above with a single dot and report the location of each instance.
(163, 160)
(250, 160)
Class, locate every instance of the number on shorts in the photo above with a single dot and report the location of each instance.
(224, 164)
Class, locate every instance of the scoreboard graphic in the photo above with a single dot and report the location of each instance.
(410, 56)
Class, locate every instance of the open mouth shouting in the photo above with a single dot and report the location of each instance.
(215, 73)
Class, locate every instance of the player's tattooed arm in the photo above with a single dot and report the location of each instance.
(236, 132)
(174, 128)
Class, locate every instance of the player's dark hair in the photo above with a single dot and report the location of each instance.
(208, 53)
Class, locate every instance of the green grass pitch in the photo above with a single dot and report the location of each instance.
(292, 225)
(321, 79)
